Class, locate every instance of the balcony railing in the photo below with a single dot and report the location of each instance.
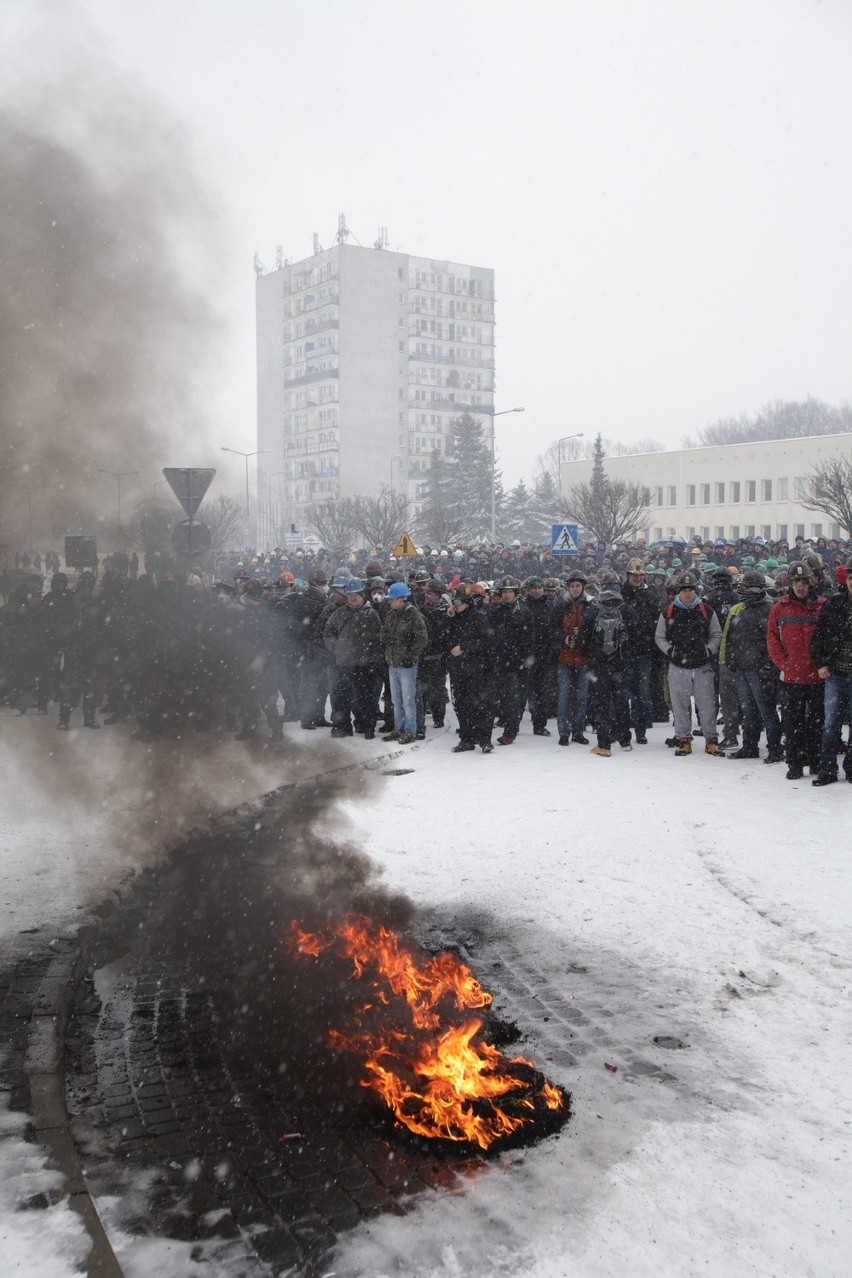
(313, 375)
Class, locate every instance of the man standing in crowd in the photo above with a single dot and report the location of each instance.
(353, 637)
(647, 609)
(744, 650)
(607, 640)
(405, 638)
(540, 677)
(512, 648)
(689, 634)
(831, 651)
(572, 673)
(789, 636)
(467, 645)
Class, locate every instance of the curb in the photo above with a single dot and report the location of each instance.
(44, 1062)
(44, 1067)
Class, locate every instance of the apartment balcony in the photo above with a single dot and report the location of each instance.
(312, 375)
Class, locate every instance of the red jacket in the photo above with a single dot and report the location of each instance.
(789, 633)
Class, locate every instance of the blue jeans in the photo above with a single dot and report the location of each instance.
(403, 682)
(838, 704)
(641, 705)
(572, 698)
(757, 701)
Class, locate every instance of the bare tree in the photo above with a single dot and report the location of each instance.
(609, 508)
(150, 528)
(783, 419)
(828, 489)
(225, 518)
(382, 520)
(335, 523)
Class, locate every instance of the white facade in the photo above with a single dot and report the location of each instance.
(736, 490)
(364, 357)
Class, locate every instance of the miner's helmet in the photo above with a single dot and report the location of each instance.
(355, 586)
(399, 590)
(687, 581)
(577, 574)
(636, 566)
(508, 583)
(800, 572)
(463, 593)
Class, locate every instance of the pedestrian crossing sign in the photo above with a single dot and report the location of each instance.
(404, 548)
(563, 539)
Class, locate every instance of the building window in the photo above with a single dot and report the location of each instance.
(690, 496)
(782, 532)
(766, 532)
(735, 532)
(658, 533)
(735, 493)
(751, 490)
(766, 489)
(720, 494)
(659, 492)
(705, 494)
(799, 489)
(672, 495)
(817, 530)
(783, 490)
(749, 530)
(800, 530)
(720, 530)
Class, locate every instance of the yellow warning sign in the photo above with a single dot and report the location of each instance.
(404, 548)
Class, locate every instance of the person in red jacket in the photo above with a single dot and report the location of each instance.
(789, 633)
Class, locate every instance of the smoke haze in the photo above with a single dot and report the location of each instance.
(106, 324)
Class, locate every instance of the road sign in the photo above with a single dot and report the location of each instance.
(189, 537)
(405, 548)
(189, 484)
(563, 539)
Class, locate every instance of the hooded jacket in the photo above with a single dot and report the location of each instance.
(789, 637)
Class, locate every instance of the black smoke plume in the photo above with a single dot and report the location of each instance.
(106, 330)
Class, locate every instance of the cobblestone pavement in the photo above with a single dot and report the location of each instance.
(194, 1077)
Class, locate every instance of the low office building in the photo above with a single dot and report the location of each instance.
(734, 490)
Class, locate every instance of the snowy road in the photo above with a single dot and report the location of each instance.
(606, 903)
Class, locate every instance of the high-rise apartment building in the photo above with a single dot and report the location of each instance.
(364, 357)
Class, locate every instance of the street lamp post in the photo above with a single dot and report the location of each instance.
(276, 475)
(502, 413)
(560, 442)
(240, 453)
(118, 475)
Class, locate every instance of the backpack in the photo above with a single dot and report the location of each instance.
(610, 629)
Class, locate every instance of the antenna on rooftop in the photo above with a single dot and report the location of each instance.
(279, 256)
(381, 242)
(259, 268)
(317, 245)
(343, 231)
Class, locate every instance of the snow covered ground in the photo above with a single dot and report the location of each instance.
(700, 899)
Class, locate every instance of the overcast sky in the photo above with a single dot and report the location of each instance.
(663, 188)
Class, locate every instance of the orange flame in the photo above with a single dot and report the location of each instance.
(439, 1080)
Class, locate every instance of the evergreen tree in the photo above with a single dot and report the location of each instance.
(515, 517)
(607, 508)
(544, 507)
(471, 477)
(442, 520)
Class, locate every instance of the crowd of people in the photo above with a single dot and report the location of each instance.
(752, 640)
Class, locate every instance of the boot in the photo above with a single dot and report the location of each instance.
(684, 746)
(603, 751)
(711, 746)
(463, 747)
